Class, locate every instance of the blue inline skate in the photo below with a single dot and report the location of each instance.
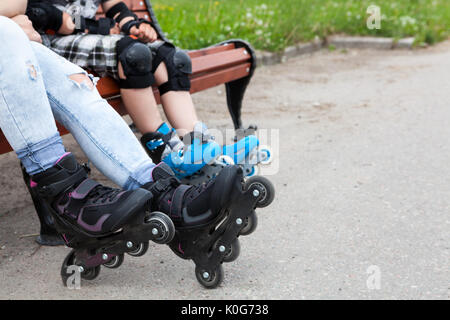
(246, 153)
(185, 157)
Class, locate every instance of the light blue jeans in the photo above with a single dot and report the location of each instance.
(35, 89)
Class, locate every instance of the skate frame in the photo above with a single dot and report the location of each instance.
(206, 251)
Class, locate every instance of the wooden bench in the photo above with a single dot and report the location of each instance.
(231, 63)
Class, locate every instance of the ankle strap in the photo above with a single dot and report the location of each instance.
(162, 185)
(53, 189)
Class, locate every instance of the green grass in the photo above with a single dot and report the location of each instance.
(275, 24)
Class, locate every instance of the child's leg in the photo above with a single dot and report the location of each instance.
(141, 106)
(134, 66)
(178, 105)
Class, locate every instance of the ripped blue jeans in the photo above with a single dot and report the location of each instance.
(36, 88)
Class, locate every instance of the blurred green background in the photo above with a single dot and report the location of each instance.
(276, 24)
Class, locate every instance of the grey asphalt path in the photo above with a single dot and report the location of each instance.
(363, 185)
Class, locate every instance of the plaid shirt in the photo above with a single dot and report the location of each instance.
(84, 8)
(94, 52)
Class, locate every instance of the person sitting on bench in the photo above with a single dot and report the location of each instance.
(138, 60)
(36, 87)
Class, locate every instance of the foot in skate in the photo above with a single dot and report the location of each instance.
(84, 205)
(245, 153)
(214, 240)
(185, 157)
(100, 223)
(190, 206)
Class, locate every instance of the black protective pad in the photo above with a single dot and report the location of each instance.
(179, 66)
(44, 16)
(136, 60)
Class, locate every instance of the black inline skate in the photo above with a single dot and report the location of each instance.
(98, 222)
(209, 218)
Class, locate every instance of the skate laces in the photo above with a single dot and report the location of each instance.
(102, 194)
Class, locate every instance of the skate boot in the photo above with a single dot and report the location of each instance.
(184, 158)
(98, 222)
(245, 153)
(189, 206)
(48, 235)
(209, 218)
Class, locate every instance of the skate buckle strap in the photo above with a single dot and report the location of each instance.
(176, 204)
(162, 185)
(53, 189)
(84, 188)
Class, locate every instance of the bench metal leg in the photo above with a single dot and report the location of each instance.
(235, 95)
(48, 235)
(236, 90)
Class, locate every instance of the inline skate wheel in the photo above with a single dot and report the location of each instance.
(161, 226)
(70, 262)
(90, 273)
(209, 279)
(265, 187)
(139, 250)
(115, 261)
(250, 224)
(266, 156)
(233, 252)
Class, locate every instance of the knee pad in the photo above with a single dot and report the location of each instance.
(136, 59)
(179, 67)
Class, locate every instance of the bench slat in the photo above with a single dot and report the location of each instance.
(219, 60)
(198, 84)
(4, 145)
(108, 87)
(210, 80)
(203, 52)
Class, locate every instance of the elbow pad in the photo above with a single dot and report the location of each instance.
(44, 16)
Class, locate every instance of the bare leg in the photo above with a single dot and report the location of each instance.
(178, 105)
(141, 106)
